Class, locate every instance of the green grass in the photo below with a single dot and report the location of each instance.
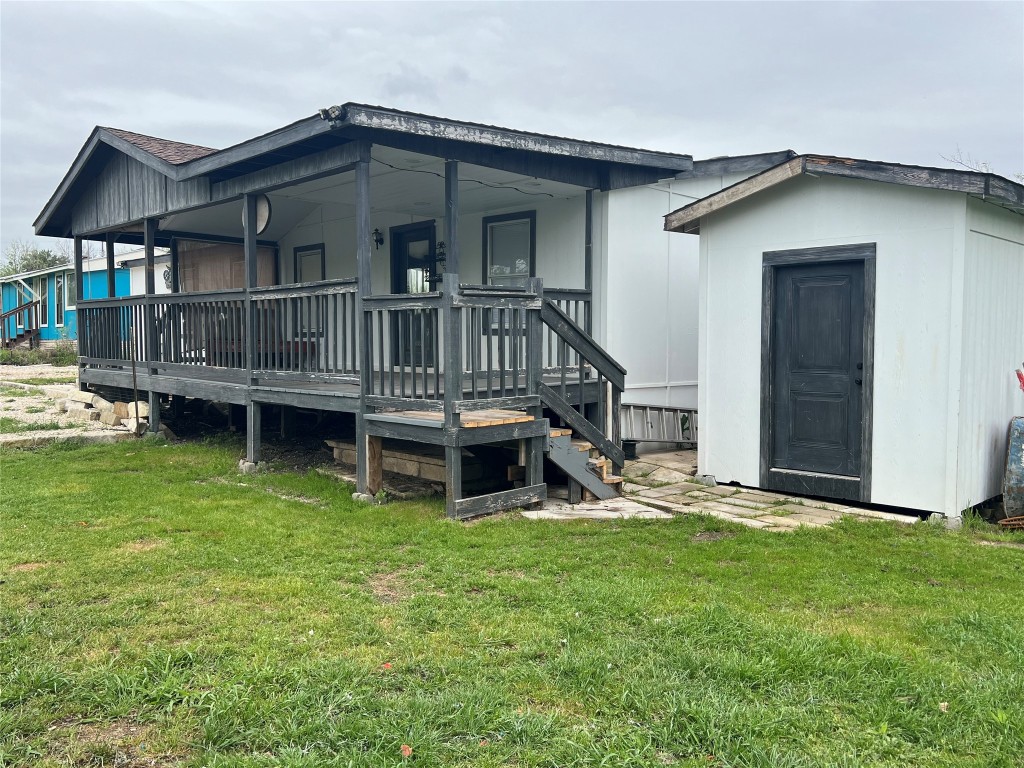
(157, 605)
(6, 390)
(40, 381)
(9, 425)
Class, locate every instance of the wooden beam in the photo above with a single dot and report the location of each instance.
(78, 270)
(375, 465)
(249, 250)
(253, 427)
(507, 139)
(175, 267)
(364, 288)
(111, 281)
(687, 218)
(451, 214)
(149, 243)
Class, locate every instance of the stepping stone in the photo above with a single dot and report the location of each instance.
(701, 495)
(759, 498)
(722, 490)
(665, 475)
(657, 493)
(780, 522)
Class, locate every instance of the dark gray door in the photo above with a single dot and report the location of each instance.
(818, 351)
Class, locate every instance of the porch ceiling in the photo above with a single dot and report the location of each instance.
(407, 182)
(400, 182)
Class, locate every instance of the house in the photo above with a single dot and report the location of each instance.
(409, 270)
(860, 324)
(39, 308)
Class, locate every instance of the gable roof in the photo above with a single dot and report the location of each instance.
(173, 152)
(985, 186)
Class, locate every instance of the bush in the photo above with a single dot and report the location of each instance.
(64, 352)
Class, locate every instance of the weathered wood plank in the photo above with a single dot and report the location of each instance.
(498, 502)
(687, 218)
(329, 161)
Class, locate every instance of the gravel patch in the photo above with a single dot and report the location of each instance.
(22, 372)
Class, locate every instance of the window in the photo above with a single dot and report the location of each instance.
(310, 263)
(70, 291)
(59, 298)
(44, 301)
(509, 248)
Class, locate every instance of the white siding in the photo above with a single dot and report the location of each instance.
(993, 347)
(915, 232)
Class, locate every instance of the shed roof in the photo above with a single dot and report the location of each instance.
(985, 186)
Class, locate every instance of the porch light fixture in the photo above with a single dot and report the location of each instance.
(378, 238)
(442, 258)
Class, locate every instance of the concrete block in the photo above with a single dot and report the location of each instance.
(62, 405)
(79, 396)
(135, 426)
(109, 418)
(121, 409)
(75, 405)
(101, 404)
(167, 432)
(143, 410)
(84, 414)
(432, 472)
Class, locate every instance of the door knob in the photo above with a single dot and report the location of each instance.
(858, 381)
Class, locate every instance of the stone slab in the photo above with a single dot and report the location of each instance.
(84, 414)
(664, 475)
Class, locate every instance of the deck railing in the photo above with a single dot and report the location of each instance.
(19, 323)
(402, 337)
(309, 328)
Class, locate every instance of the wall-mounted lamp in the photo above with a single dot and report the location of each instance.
(378, 238)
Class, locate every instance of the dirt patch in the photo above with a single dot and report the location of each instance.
(1007, 544)
(712, 536)
(27, 567)
(144, 545)
(122, 743)
(390, 587)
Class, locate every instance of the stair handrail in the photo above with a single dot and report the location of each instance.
(30, 324)
(605, 438)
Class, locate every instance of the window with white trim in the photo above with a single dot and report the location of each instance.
(509, 248)
(59, 299)
(44, 301)
(70, 290)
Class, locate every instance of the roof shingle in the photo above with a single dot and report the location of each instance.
(173, 152)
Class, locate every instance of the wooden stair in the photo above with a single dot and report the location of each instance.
(583, 464)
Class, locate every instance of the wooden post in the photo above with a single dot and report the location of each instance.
(375, 464)
(78, 297)
(149, 243)
(111, 281)
(534, 367)
(175, 267)
(588, 262)
(451, 322)
(253, 425)
(451, 214)
(253, 422)
(363, 288)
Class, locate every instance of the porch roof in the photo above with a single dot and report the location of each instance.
(587, 163)
(984, 186)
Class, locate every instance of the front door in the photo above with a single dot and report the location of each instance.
(818, 378)
(413, 270)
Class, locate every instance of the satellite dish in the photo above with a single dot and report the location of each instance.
(262, 214)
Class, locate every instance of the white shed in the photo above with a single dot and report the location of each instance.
(859, 328)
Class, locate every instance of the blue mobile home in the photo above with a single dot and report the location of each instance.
(39, 307)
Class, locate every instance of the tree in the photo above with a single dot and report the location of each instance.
(964, 160)
(20, 256)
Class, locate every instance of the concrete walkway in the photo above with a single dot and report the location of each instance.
(662, 485)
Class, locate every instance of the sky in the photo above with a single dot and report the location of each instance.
(903, 82)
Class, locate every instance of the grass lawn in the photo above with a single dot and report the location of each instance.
(157, 607)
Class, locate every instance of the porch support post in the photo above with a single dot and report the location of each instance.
(363, 288)
(78, 297)
(451, 322)
(253, 421)
(111, 281)
(588, 261)
(451, 214)
(534, 366)
(149, 243)
(253, 426)
(175, 267)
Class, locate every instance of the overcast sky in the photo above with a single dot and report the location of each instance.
(904, 82)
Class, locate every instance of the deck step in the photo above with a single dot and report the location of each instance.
(581, 445)
(559, 432)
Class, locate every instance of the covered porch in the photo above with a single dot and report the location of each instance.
(409, 274)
